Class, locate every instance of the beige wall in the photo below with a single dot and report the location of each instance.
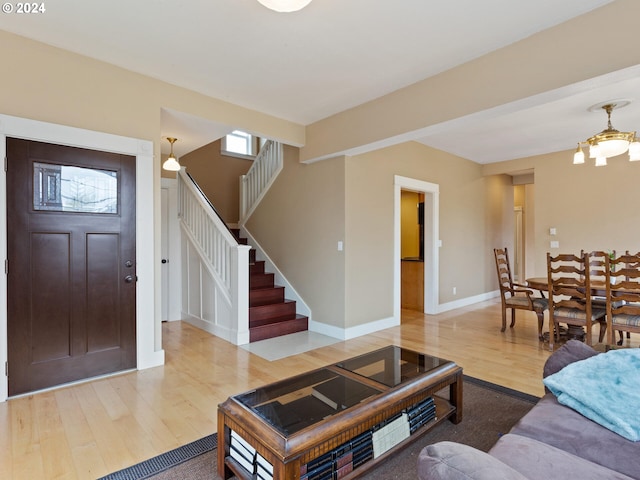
(218, 176)
(311, 207)
(500, 222)
(299, 223)
(524, 197)
(468, 226)
(592, 208)
(52, 85)
(44, 83)
(308, 210)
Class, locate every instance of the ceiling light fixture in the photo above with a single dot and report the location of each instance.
(285, 6)
(171, 163)
(609, 142)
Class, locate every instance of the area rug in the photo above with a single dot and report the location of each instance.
(489, 411)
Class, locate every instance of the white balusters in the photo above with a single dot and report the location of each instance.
(207, 231)
(256, 182)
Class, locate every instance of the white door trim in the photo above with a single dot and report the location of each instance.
(148, 342)
(431, 241)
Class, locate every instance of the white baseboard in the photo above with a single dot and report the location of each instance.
(376, 325)
(224, 333)
(465, 302)
(352, 332)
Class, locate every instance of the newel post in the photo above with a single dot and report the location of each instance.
(240, 292)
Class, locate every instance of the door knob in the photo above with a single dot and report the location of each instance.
(164, 260)
(129, 278)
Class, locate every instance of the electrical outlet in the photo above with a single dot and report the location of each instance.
(554, 244)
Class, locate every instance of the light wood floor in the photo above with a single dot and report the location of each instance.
(89, 430)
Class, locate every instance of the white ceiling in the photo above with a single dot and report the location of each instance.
(333, 55)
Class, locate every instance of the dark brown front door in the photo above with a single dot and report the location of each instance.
(72, 275)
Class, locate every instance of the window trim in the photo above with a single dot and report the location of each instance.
(253, 141)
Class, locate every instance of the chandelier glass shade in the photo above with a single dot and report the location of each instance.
(609, 143)
(285, 6)
(171, 163)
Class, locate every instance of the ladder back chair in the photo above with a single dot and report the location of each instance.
(597, 273)
(514, 295)
(623, 294)
(569, 288)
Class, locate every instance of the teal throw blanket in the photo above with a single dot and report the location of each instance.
(604, 388)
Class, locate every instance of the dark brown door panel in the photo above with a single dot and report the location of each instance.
(71, 251)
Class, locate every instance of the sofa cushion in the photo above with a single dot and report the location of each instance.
(455, 461)
(539, 461)
(570, 352)
(564, 428)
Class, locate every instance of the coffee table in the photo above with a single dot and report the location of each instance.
(337, 421)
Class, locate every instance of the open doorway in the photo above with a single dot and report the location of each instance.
(430, 219)
(412, 250)
(518, 245)
(522, 226)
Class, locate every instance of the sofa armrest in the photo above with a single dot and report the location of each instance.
(572, 351)
(455, 461)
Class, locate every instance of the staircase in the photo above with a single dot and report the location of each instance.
(225, 290)
(270, 314)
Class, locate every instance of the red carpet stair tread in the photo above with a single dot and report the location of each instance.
(270, 313)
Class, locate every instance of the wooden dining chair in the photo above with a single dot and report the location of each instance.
(597, 272)
(623, 294)
(514, 295)
(621, 332)
(569, 288)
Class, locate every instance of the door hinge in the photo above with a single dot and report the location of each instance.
(5, 163)
(6, 369)
(6, 266)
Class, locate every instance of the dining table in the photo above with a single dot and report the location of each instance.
(598, 287)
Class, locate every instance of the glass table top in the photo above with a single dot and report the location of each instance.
(392, 365)
(298, 402)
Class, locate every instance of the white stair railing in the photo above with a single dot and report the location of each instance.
(258, 179)
(221, 263)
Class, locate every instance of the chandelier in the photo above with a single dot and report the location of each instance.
(285, 5)
(609, 142)
(171, 163)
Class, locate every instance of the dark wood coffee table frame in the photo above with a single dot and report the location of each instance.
(288, 453)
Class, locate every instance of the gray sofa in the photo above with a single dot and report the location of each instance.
(550, 442)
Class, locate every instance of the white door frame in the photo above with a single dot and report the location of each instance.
(148, 330)
(431, 193)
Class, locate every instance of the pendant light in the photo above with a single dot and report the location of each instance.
(285, 6)
(609, 142)
(171, 163)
